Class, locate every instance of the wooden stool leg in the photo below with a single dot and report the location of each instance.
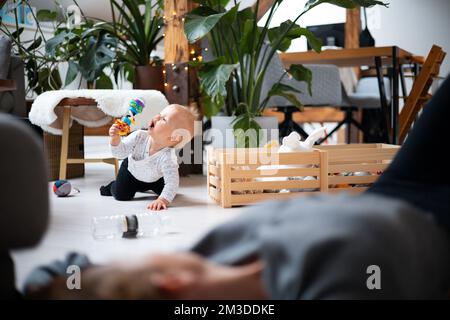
(64, 143)
(116, 167)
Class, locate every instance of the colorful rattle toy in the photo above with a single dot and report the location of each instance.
(136, 107)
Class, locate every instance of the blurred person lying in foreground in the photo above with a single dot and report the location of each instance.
(319, 247)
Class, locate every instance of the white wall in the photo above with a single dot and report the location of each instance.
(414, 25)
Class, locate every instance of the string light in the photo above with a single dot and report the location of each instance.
(166, 84)
(192, 51)
(174, 17)
(206, 49)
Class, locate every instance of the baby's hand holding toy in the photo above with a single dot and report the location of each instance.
(124, 125)
(114, 131)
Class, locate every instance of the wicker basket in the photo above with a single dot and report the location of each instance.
(242, 176)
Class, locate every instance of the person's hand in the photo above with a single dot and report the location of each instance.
(114, 131)
(158, 204)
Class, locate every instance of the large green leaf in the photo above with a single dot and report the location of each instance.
(103, 82)
(213, 78)
(200, 21)
(286, 91)
(52, 44)
(211, 108)
(371, 3)
(247, 13)
(129, 72)
(36, 44)
(16, 34)
(246, 131)
(72, 72)
(314, 42)
(97, 57)
(250, 36)
(198, 24)
(213, 3)
(301, 73)
(284, 36)
(348, 4)
(286, 87)
(231, 15)
(31, 72)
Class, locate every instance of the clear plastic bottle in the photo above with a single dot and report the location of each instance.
(128, 226)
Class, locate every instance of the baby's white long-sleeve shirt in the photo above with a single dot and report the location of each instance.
(149, 168)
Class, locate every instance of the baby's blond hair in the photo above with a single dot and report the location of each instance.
(186, 129)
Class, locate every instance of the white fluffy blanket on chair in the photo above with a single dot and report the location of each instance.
(46, 113)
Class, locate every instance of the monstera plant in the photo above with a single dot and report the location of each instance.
(243, 49)
(123, 45)
(88, 55)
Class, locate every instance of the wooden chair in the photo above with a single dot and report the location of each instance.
(419, 94)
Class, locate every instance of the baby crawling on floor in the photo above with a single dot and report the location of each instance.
(150, 162)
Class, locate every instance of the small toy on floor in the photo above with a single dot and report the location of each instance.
(63, 188)
(129, 226)
(136, 107)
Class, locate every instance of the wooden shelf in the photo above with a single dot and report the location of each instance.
(348, 57)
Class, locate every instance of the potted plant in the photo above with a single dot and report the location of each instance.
(233, 82)
(44, 57)
(137, 36)
(86, 54)
(41, 72)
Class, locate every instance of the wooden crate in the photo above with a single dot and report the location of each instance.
(242, 176)
(355, 167)
(52, 146)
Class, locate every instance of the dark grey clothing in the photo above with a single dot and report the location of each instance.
(320, 247)
(43, 275)
(419, 173)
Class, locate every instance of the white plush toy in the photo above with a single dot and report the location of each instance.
(293, 141)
